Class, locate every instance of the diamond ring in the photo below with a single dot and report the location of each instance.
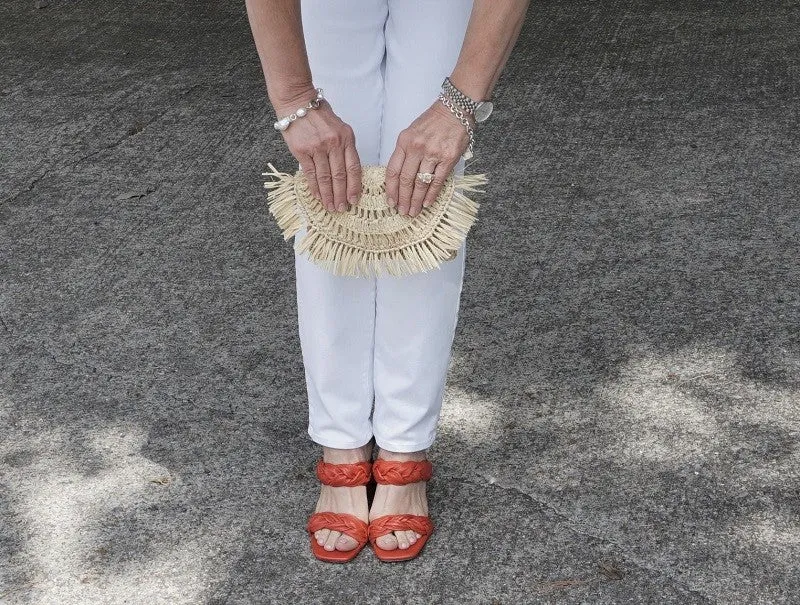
(425, 177)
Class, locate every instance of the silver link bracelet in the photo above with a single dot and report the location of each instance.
(463, 119)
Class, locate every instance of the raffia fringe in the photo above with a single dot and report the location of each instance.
(348, 259)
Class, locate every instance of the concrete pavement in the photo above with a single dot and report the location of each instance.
(621, 422)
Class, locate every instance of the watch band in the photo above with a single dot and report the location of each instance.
(479, 110)
(466, 104)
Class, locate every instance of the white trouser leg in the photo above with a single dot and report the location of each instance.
(389, 338)
(416, 315)
(336, 315)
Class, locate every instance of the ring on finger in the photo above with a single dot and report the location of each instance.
(423, 181)
(425, 177)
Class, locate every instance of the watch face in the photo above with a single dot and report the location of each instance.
(483, 110)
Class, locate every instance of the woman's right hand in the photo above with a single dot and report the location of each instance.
(325, 147)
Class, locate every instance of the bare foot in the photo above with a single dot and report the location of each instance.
(399, 499)
(352, 500)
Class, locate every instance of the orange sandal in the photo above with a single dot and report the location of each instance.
(393, 472)
(340, 475)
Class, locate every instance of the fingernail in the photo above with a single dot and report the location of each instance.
(353, 199)
(390, 201)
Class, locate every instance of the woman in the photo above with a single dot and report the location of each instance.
(376, 350)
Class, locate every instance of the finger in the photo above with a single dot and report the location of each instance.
(310, 172)
(420, 187)
(443, 169)
(408, 174)
(393, 168)
(324, 181)
(353, 164)
(339, 176)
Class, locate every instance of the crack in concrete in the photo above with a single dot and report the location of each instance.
(29, 187)
(13, 197)
(571, 523)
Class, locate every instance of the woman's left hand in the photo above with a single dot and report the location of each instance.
(432, 143)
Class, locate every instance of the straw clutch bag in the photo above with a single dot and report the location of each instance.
(372, 238)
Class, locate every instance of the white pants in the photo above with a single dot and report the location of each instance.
(376, 350)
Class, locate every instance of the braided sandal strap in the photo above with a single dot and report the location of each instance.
(394, 472)
(389, 523)
(344, 475)
(341, 522)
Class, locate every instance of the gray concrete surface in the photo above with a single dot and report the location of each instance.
(624, 386)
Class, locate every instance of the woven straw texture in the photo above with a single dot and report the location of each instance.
(371, 238)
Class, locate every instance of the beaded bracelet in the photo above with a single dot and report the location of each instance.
(283, 123)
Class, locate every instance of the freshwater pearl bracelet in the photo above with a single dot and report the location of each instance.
(283, 123)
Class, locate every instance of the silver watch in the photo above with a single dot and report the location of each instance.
(479, 109)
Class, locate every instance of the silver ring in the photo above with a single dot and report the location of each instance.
(425, 177)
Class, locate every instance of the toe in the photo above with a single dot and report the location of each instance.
(346, 542)
(411, 536)
(387, 542)
(402, 540)
(330, 543)
(321, 536)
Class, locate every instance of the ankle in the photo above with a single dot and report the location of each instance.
(347, 456)
(402, 456)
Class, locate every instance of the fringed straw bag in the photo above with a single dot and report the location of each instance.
(372, 238)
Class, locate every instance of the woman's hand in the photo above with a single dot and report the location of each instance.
(432, 143)
(325, 147)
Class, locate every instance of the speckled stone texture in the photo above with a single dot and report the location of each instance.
(621, 422)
